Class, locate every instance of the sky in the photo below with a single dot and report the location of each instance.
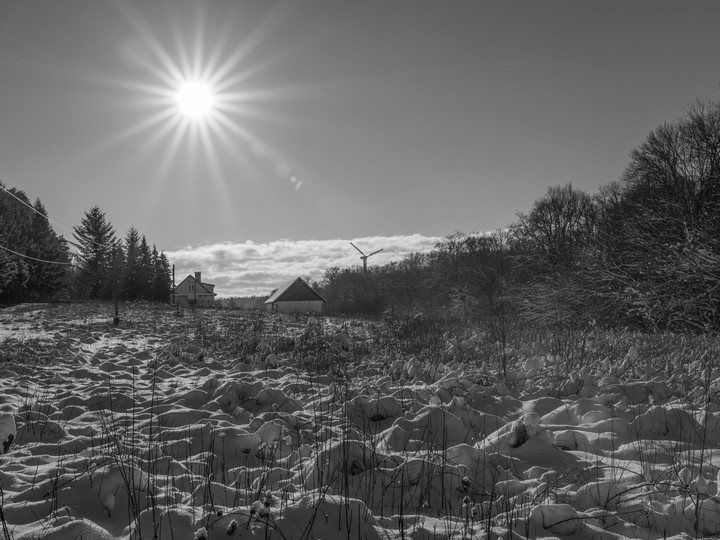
(388, 123)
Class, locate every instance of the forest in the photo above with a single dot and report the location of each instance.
(643, 252)
(37, 264)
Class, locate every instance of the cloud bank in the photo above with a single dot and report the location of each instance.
(247, 268)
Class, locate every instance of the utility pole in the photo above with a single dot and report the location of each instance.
(177, 308)
(116, 319)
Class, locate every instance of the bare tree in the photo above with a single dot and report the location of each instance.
(560, 224)
(659, 234)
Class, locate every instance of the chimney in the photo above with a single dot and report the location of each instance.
(197, 277)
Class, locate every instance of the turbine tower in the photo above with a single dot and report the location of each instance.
(365, 257)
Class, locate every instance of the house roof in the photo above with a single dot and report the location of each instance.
(203, 286)
(295, 290)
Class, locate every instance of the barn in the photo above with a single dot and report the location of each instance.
(296, 296)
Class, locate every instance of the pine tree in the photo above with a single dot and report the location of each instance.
(46, 280)
(15, 233)
(162, 282)
(8, 261)
(115, 277)
(95, 239)
(155, 258)
(8, 265)
(132, 274)
(146, 270)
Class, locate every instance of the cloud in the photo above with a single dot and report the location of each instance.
(247, 268)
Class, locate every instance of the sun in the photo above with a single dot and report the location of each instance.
(195, 99)
(196, 95)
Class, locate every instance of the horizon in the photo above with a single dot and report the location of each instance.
(252, 269)
(221, 127)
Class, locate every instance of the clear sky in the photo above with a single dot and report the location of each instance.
(334, 120)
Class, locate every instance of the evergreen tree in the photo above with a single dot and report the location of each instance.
(95, 239)
(155, 261)
(8, 265)
(132, 285)
(162, 281)
(15, 232)
(25, 230)
(146, 270)
(115, 277)
(46, 279)
(8, 261)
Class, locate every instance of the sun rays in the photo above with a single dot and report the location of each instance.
(193, 94)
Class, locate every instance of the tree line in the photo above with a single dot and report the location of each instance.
(643, 252)
(37, 264)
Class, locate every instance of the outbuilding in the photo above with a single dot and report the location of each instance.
(296, 296)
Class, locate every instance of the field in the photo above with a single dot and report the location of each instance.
(222, 424)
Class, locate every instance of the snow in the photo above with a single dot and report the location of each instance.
(115, 433)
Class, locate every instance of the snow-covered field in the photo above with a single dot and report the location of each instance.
(230, 425)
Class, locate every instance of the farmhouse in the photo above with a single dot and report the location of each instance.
(296, 296)
(193, 292)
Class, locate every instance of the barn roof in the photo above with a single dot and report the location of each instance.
(295, 290)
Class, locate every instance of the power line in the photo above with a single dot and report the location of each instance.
(18, 199)
(34, 258)
(51, 220)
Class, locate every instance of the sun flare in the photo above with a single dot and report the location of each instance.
(195, 96)
(195, 99)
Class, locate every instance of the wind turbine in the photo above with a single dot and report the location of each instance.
(365, 257)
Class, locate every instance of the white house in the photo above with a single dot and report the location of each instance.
(296, 296)
(193, 292)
